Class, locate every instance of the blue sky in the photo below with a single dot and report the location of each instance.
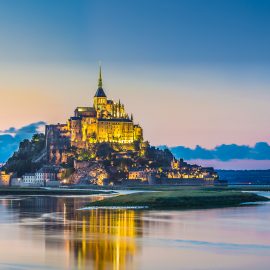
(177, 32)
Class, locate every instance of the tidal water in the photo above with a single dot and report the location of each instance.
(50, 233)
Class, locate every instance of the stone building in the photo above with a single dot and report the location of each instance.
(138, 174)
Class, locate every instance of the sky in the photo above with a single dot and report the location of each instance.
(193, 72)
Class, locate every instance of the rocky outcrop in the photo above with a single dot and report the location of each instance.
(94, 173)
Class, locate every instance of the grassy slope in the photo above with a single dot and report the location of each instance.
(182, 199)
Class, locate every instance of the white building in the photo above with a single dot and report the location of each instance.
(29, 179)
(46, 176)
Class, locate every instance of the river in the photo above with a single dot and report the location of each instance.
(40, 232)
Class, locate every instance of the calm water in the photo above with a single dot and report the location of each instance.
(49, 233)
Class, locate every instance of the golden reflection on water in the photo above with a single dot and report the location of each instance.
(74, 239)
(104, 238)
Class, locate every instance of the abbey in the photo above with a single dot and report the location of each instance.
(105, 121)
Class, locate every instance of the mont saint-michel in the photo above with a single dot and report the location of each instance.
(158, 160)
(99, 145)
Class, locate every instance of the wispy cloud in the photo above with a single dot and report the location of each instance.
(11, 137)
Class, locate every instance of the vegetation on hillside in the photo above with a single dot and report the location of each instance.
(22, 161)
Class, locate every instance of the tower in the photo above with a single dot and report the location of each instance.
(100, 98)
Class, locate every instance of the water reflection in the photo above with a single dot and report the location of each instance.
(96, 239)
(105, 238)
(49, 233)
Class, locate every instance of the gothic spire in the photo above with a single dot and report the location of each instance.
(100, 91)
(100, 77)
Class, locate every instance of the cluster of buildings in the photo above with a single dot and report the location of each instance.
(179, 172)
(46, 176)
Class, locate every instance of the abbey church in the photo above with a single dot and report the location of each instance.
(106, 121)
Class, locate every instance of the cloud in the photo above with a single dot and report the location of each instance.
(10, 130)
(11, 137)
(224, 152)
(28, 129)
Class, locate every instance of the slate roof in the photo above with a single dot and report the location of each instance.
(100, 92)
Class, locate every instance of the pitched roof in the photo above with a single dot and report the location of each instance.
(100, 92)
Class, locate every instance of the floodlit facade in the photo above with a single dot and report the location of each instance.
(106, 121)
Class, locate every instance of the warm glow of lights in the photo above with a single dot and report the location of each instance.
(115, 242)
